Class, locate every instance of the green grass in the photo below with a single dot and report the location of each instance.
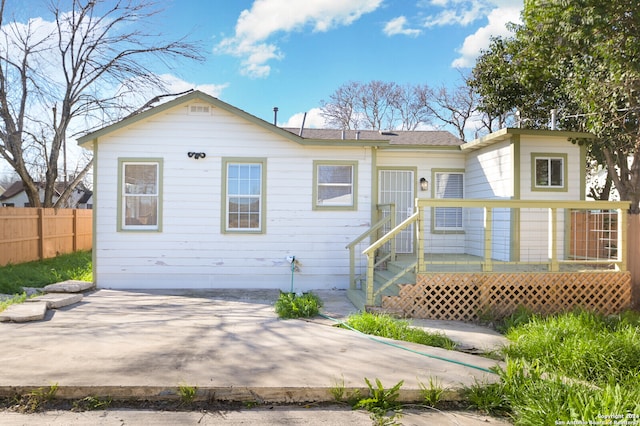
(577, 366)
(384, 325)
(74, 266)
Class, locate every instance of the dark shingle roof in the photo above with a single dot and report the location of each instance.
(395, 137)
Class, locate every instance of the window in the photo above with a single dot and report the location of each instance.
(549, 171)
(448, 185)
(244, 192)
(140, 194)
(334, 185)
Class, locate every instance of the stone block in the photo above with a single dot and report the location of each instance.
(23, 312)
(70, 286)
(57, 300)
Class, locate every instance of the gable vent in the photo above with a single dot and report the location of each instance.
(199, 109)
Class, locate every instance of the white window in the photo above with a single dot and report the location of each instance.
(140, 195)
(549, 172)
(244, 196)
(334, 185)
(448, 185)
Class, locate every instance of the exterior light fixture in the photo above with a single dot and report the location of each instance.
(196, 155)
(424, 184)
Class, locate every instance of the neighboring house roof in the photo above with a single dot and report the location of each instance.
(14, 189)
(86, 196)
(416, 139)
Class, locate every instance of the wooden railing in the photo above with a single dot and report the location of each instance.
(487, 262)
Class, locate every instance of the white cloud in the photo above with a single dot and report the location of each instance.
(269, 17)
(498, 19)
(314, 120)
(397, 26)
(457, 12)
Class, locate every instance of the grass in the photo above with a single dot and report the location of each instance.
(74, 266)
(385, 325)
(572, 367)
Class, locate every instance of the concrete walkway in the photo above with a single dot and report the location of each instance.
(229, 344)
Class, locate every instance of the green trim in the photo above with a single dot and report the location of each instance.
(354, 185)
(94, 219)
(583, 172)
(121, 162)
(565, 171)
(263, 197)
(435, 171)
(374, 188)
(516, 165)
(514, 245)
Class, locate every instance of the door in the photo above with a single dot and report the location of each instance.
(397, 187)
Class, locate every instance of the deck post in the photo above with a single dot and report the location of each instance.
(622, 238)
(422, 267)
(352, 268)
(487, 266)
(553, 264)
(392, 243)
(370, 272)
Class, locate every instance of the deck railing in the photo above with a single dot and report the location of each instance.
(503, 235)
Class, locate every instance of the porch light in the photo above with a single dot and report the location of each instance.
(424, 184)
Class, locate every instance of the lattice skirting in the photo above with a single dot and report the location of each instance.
(464, 297)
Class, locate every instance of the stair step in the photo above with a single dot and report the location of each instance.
(69, 286)
(23, 312)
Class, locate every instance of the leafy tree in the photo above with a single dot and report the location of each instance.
(583, 58)
(86, 63)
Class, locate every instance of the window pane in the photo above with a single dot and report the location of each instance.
(141, 178)
(329, 195)
(449, 185)
(335, 174)
(141, 210)
(542, 172)
(556, 172)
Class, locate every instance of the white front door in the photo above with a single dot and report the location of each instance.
(397, 187)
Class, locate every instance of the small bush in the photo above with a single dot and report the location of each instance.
(289, 305)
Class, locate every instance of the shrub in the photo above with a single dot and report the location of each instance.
(289, 305)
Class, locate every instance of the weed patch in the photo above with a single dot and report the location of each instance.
(381, 403)
(35, 400)
(289, 305)
(386, 326)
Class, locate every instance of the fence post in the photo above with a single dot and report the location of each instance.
(74, 230)
(40, 233)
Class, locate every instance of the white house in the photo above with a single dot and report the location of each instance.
(196, 193)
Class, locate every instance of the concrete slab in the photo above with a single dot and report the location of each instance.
(24, 312)
(468, 336)
(145, 344)
(57, 300)
(69, 286)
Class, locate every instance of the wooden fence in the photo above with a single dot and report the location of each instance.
(28, 234)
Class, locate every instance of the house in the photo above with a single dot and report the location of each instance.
(16, 196)
(196, 193)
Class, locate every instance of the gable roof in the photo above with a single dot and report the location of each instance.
(508, 132)
(17, 187)
(309, 136)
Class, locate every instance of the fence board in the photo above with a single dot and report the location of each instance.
(28, 234)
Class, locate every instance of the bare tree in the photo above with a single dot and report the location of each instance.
(85, 64)
(377, 105)
(455, 107)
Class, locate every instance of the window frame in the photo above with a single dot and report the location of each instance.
(122, 163)
(354, 185)
(226, 162)
(434, 223)
(535, 156)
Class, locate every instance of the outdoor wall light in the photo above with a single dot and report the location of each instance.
(424, 184)
(196, 155)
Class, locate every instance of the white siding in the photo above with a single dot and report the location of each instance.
(191, 251)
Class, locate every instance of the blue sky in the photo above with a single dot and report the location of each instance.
(293, 54)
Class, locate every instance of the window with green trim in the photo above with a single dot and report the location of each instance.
(140, 194)
(448, 185)
(244, 202)
(334, 185)
(549, 172)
